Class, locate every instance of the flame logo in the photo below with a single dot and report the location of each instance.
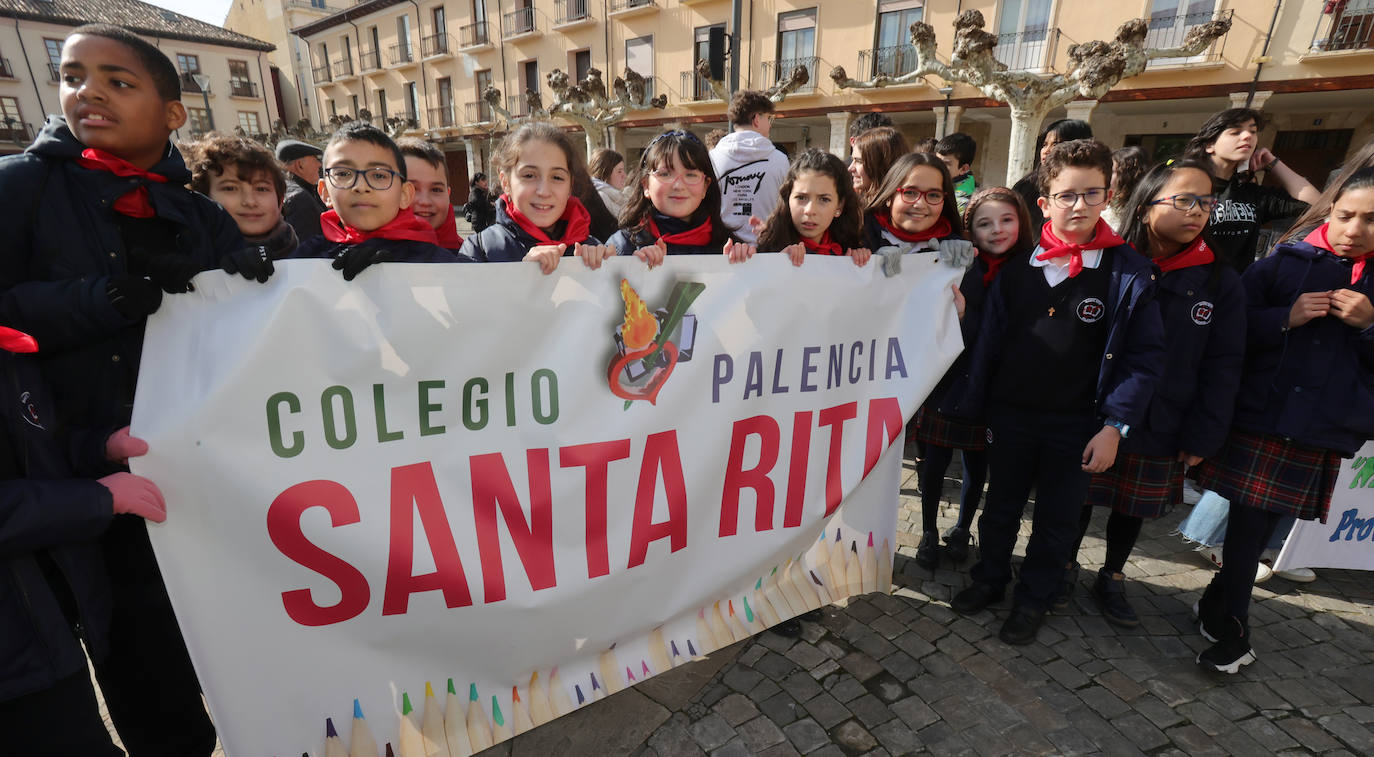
(640, 326)
(651, 343)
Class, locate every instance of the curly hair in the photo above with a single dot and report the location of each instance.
(214, 153)
(779, 231)
(1078, 153)
(746, 104)
(1129, 165)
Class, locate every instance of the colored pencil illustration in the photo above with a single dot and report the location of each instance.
(455, 724)
(581, 699)
(677, 657)
(718, 627)
(885, 567)
(541, 710)
(870, 566)
(409, 740)
(773, 593)
(519, 714)
(821, 559)
(801, 583)
(691, 650)
(596, 691)
(500, 730)
(658, 651)
(610, 671)
(821, 591)
(763, 607)
(629, 675)
(737, 626)
(558, 694)
(853, 570)
(333, 745)
(789, 589)
(432, 726)
(479, 728)
(360, 741)
(644, 670)
(839, 575)
(705, 638)
(389, 753)
(751, 618)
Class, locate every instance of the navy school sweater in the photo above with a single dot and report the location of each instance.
(506, 242)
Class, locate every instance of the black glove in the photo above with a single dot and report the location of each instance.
(251, 262)
(354, 259)
(133, 296)
(170, 270)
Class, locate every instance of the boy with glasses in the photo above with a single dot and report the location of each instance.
(1070, 350)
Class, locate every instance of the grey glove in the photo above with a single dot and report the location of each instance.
(891, 256)
(957, 253)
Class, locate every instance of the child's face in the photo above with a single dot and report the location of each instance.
(995, 227)
(1076, 222)
(856, 169)
(253, 202)
(952, 163)
(431, 191)
(111, 103)
(1351, 232)
(814, 203)
(540, 183)
(1237, 143)
(618, 176)
(675, 191)
(922, 214)
(363, 206)
(1175, 229)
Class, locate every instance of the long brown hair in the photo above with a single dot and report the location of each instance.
(1025, 242)
(1317, 212)
(508, 155)
(689, 153)
(878, 148)
(896, 175)
(779, 231)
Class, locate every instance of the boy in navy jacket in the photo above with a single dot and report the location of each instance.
(1070, 350)
(101, 225)
(369, 218)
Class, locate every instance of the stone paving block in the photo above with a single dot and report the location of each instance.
(887, 627)
(853, 737)
(1156, 711)
(1363, 714)
(827, 710)
(735, 748)
(1225, 702)
(941, 739)
(775, 666)
(1204, 717)
(672, 740)
(760, 733)
(1357, 737)
(1268, 733)
(914, 712)
(741, 679)
(846, 688)
(806, 735)
(897, 739)
(781, 708)
(902, 666)
(753, 650)
(711, 731)
(764, 690)
(870, 710)
(1140, 731)
(956, 647)
(1121, 685)
(801, 686)
(886, 687)
(860, 665)
(941, 665)
(824, 669)
(1067, 674)
(1309, 734)
(914, 644)
(736, 709)
(1071, 742)
(955, 711)
(806, 655)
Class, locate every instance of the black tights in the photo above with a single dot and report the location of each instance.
(1247, 532)
(932, 473)
(1122, 532)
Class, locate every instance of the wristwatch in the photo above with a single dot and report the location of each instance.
(1119, 425)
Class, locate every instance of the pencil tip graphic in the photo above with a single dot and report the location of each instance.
(814, 578)
(452, 690)
(577, 689)
(496, 711)
(595, 685)
(429, 690)
(673, 644)
(357, 710)
(329, 732)
(870, 538)
(691, 650)
(472, 692)
(515, 693)
(854, 547)
(406, 709)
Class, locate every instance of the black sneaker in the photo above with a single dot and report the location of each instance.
(1060, 601)
(1232, 651)
(1208, 613)
(928, 551)
(976, 597)
(1021, 626)
(956, 544)
(1111, 597)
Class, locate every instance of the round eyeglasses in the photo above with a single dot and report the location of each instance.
(346, 178)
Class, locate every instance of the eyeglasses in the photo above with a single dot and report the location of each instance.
(1091, 198)
(690, 178)
(912, 195)
(346, 178)
(1188, 202)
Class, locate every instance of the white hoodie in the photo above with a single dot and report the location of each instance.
(750, 171)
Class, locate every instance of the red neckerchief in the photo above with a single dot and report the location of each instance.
(448, 231)
(1103, 237)
(1197, 253)
(135, 202)
(940, 229)
(823, 246)
(12, 340)
(697, 237)
(1317, 238)
(994, 264)
(405, 226)
(579, 222)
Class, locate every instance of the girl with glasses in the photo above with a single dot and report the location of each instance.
(914, 207)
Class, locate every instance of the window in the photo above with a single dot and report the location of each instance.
(581, 64)
(796, 44)
(248, 119)
(1023, 33)
(1170, 21)
(333, 108)
(702, 51)
(318, 4)
(355, 105)
(381, 106)
(412, 102)
(54, 50)
(479, 11)
(439, 20)
(198, 120)
(238, 70)
(639, 57)
(188, 64)
(483, 80)
(444, 114)
(12, 121)
(893, 54)
(240, 83)
(403, 35)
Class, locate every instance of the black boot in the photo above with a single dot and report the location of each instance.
(1232, 650)
(956, 544)
(928, 551)
(1060, 601)
(1208, 613)
(1110, 592)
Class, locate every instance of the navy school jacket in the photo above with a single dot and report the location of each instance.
(400, 251)
(49, 555)
(975, 298)
(1132, 362)
(1203, 309)
(63, 243)
(626, 241)
(504, 241)
(1313, 384)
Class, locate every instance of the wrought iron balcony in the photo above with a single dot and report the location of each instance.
(343, 67)
(572, 11)
(401, 54)
(242, 88)
(1348, 26)
(442, 117)
(435, 44)
(16, 131)
(1029, 50)
(369, 60)
(892, 61)
(1170, 31)
(695, 88)
(624, 6)
(189, 85)
(473, 35)
(517, 22)
(322, 73)
(5, 71)
(478, 112)
(777, 70)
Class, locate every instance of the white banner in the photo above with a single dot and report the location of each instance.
(1346, 539)
(530, 490)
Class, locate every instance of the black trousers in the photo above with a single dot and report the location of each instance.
(150, 687)
(1033, 449)
(1247, 532)
(60, 721)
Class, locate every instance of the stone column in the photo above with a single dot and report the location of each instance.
(943, 129)
(1081, 110)
(839, 133)
(1261, 97)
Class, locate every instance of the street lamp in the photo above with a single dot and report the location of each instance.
(944, 123)
(203, 82)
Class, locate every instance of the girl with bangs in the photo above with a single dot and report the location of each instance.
(914, 208)
(819, 212)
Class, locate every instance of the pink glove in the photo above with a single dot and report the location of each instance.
(120, 446)
(135, 495)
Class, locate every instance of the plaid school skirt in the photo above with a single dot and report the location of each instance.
(1138, 485)
(1274, 474)
(943, 431)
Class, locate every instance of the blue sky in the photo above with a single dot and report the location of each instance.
(212, 11)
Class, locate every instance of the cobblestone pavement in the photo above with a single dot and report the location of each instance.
(903, 674)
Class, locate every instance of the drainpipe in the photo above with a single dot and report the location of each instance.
(424, 83)
(606, 17)
(1264, 54)
(500, 18)
(736, 35)
(267, 127)
(36, 92)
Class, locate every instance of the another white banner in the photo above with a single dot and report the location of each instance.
(1346, 539)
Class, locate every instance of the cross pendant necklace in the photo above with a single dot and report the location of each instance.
(1051, 311)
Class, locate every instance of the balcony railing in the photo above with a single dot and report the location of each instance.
(1170, 31)
(625, 5)
(242, 88)
(517, 105)
(1030, 50)
(435, 44)
(5, 71)
(1349, 27)
(477, 113)
(777, 70)
(401, 53)
(517, 22)
(572, 10)
(473, 35)
(891, 61)
(189, 85)
(695, 88)
(442, 117)
(343, 67)
(369, 60)
(322, 73)
(16, 131)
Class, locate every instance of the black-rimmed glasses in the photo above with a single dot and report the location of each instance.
(1092, 198)
(1188, 202)
(379, 179)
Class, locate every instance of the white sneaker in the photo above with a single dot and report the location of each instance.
(1191, 494)
(1262, 573)
(1298, 575)
(1211, 554)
